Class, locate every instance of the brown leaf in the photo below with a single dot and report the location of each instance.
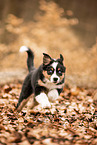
(2, 127)
(25, 142)
(7, 89)
(15, 138)
(48, 141)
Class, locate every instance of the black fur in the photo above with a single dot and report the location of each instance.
(30, 85)
(30, 59)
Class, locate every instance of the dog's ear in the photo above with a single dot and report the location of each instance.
(61, 57)
(60, 60)
(46, 59)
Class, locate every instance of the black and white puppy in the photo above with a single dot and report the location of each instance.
(45, 83)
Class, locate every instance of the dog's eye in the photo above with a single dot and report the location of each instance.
(59, 72)
(50, 71)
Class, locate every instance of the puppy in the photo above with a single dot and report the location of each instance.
(45, 83)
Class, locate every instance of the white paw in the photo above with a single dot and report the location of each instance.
(53, 95)
(46, 105)
(43, 100)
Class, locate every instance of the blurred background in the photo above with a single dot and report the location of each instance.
(54, 27)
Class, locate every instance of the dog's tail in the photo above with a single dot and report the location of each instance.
(30, 62)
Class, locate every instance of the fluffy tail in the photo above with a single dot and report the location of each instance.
(30, 58)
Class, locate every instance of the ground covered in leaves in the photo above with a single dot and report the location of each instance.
(71, 120)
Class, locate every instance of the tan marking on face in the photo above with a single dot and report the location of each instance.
(59, 69)
(46, 75)
(52, 69)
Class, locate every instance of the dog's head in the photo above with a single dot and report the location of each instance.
(53, 69)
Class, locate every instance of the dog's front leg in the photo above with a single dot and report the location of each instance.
(53, 95)
(43, 100)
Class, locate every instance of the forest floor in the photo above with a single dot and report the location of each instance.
(71, 120)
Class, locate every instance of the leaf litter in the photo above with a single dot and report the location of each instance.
(71, 120)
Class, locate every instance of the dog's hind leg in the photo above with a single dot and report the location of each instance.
(25, 93)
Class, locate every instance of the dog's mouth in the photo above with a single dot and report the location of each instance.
(55, 82)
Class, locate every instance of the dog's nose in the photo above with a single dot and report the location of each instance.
(55, 79)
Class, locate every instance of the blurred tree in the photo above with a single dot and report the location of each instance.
(85, 11)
